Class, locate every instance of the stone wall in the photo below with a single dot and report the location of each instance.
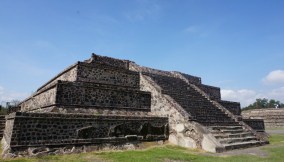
(118, 63)
(105, 74)
(41, 99)
(9, 124)
(93, 111)
(256, 124)
(233, 107)
(2, 125)
(97, 75)
(273, 118)
(37, 129)
(99, 95)
(213, 92)
(85, 94)
(192, 79)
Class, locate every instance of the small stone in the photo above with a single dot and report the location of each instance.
(180, 128)
(160, 142)
(9, 155)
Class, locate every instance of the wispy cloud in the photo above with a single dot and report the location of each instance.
(191, 29)
(146, 10)
(248, 96)
(7, 95)
(274, 77)
(196, 30)
(244, 96)
(29, 69)
(43, 44)
(224, 81)
(277, 94)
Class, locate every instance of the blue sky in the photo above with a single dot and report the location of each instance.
(236, 45)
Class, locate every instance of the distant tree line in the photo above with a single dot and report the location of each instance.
(10, 104)
(263, 104)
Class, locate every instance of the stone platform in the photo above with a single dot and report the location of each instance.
(109, 101)
(94, 102)
(53, 129)
(273, 118)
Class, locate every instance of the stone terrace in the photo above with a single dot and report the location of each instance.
(95, 102)
(273, 118)
(105, 101)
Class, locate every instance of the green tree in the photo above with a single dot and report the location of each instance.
(262, 103)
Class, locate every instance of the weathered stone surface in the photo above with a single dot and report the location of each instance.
(213, 92)
(192, 79)
(256, 124)
(233, 107)
(38, 129)
(105, 74)
(100, 95)
(2, 124)
(70, 149)
(87, 82)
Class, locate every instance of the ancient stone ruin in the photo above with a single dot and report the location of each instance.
(273, 118)
(110, 102)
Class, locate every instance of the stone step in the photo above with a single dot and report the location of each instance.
(231, 131)
(237, 140)
(236, 135)
(203, 116)
(239, 145)
(225, 127)
(226, 119)
(218, 123)
(205, 112)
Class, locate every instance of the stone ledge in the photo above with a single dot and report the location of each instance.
(83, 116)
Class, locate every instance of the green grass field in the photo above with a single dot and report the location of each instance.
(167, 153)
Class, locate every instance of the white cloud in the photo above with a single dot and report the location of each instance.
(6, 95)
(191, 29)
(274, 77)
(277, 94)
(195, 30)
(1, 90)
(147, 9)
(246, 96)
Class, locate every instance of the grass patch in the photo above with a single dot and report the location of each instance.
(161, 154)
(166, 153)
(277, 139)
(151, 155)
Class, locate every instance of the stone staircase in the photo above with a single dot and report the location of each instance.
(2, 125)
(234, 137)
(224, 126)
